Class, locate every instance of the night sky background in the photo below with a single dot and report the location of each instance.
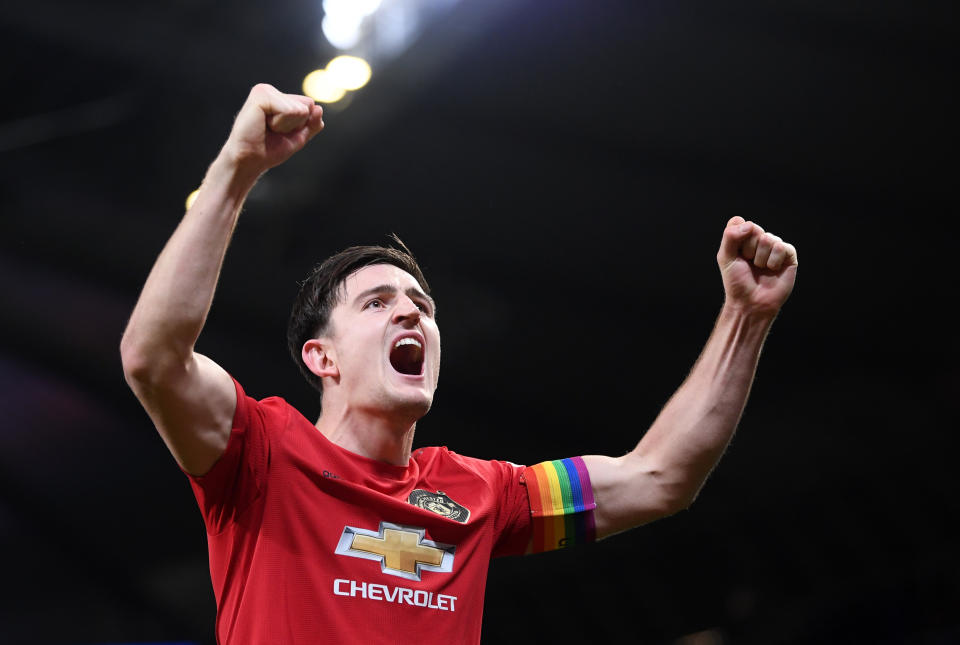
(563, 170)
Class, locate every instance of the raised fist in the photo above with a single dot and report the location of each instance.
(758, 268)
(270, 127)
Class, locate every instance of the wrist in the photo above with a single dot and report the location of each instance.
(749, 315)
(231, 175)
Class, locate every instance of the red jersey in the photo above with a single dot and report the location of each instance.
(310, 543)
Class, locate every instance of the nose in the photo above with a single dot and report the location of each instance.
(407, 312)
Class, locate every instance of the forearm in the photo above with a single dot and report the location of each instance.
(693, 429)
(176, 297)
(666, 470)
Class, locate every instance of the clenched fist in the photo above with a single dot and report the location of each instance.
(758, 268)
(270, 127)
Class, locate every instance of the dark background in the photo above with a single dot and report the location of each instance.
(563, 171)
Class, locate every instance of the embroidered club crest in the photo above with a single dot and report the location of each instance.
(439, 503)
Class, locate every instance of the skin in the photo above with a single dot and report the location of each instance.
(370, 408)
(665, 471)
(190, 398)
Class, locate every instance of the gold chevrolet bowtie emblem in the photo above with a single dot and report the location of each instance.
(401, 550)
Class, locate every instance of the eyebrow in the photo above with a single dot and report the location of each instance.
(412, 292)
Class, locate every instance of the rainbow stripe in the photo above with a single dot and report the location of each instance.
(561, 503)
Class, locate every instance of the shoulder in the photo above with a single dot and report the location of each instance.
(277, 406)
(492, 471)
(273, 412)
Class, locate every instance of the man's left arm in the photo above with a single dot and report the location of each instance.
(666, 470)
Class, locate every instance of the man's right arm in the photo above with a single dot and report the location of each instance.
(190, 398)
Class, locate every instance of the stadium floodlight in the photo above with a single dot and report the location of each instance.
(342, 22)
(321, 86)
(349, 72)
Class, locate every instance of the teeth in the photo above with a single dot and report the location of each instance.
(408, 341)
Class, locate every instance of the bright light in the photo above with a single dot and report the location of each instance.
(343, 31)
(321, 86)
(342, 22)
(192, 197)
(349, 72)
(368, 6)
(357, 7)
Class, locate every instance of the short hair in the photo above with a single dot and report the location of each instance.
(323, 290)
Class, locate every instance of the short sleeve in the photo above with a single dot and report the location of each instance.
(512, 522)
(237, 478)
(561, 504)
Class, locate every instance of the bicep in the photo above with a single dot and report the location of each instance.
(192, 407)
(628, 491)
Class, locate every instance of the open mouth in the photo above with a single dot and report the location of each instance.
(407, 356)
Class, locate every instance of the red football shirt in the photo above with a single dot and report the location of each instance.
(310, 543)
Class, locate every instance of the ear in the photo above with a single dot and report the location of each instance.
(320, 358)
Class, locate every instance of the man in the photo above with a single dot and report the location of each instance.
(340, 530)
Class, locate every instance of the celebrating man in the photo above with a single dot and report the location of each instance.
(341, 530)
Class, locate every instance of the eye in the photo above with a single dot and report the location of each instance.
(376, 303)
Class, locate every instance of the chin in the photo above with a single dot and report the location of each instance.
(413, 406)
(411, 396)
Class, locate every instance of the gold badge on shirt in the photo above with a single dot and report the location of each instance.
(439, 503)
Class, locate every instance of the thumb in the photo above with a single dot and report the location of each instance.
(285, 112)
(735, 234)
(287, 122)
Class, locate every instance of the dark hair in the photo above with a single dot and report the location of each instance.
(323, 290)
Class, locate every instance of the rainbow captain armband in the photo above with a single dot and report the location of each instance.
(561, 503)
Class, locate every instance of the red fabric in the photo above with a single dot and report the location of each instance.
(276, 505)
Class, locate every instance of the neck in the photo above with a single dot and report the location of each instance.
(373, 434)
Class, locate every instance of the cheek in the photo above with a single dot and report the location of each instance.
(436, 359)
(362, 353)
(434, 340)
